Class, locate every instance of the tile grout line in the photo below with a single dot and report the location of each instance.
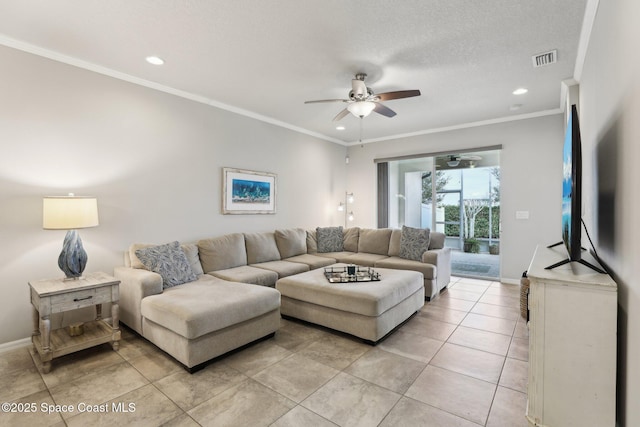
(497, 384)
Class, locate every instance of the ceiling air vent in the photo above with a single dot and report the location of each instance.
(545, 58)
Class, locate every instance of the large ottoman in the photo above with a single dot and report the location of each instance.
(368, 310)
(200, 320)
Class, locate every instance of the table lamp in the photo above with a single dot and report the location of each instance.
(70, 213)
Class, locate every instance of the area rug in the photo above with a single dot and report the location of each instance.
(470, 268)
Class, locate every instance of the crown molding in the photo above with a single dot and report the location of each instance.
(463, 126)
(56, 56)
(591, 9)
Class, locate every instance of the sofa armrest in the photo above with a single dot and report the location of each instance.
(432, 255)
(441, 258)
(135, 285)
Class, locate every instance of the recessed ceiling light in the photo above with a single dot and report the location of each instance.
(340, 127)
(154, 60)
(520, 91)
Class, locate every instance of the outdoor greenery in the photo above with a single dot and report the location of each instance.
(441, 180)
(452, 213)
(476, 211)
(495, 191)
(471, 245)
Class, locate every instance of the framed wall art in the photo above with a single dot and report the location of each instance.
(248, 192)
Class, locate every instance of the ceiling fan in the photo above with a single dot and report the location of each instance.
(362, 100)
(454, 160)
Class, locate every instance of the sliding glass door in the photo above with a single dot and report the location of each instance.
(454, 193)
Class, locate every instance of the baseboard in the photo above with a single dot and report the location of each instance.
(510, 281)
(8, 346)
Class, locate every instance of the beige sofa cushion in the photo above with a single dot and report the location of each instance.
(283, 268)
(291, 242)
(427, 270)
(351, 236)
(220, 253)
(374, 241)
(135, 261)
(437, 240)
(394, 242)
(193, 256)
(363, 258)
(198, 308)
(337, 256)
(312, 242)
(313, 261)
(247, 274)
(261, 247)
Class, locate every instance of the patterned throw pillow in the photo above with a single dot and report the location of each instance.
(414, 242)
(169, 261)
(330, 239)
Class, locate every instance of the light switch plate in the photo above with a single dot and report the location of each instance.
(522, 214)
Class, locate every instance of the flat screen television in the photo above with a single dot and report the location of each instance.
(572, 194)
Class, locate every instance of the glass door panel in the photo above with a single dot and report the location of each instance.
(409, 194)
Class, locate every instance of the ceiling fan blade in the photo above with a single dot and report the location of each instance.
(387, 96)
(470, 157)
(385, 111)
(341, 115)
(326, 100)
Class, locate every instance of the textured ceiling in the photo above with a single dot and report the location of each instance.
(265, 58)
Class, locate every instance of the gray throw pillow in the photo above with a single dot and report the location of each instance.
(414, 242)
(169, 261)
(330, 239)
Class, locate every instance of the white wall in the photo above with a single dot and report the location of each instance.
(610, 112)
(531, 180)
(153, 160)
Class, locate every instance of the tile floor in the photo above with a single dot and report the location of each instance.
(461, 361)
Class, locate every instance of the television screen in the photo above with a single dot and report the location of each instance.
(571, 187)
(571, 194)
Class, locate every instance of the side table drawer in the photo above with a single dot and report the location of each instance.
(79, 299)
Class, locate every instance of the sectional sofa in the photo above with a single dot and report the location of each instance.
(216, 307)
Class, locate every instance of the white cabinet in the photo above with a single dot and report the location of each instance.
(572, 343)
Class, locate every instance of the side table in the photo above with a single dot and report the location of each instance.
(60, 295)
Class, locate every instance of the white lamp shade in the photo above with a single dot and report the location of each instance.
(361, 108)
(350, 198)
(69, 212)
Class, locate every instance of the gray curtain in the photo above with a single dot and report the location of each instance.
(383, 195)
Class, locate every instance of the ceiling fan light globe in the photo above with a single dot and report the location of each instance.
(361, 108)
